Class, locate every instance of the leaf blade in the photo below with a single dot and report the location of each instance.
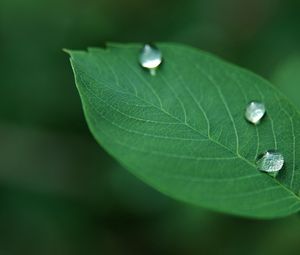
(184, 133)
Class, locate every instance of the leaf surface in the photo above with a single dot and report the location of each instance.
(183, 130)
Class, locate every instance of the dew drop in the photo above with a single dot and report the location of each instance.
(270, 161)
(255, 111)
(150, 58)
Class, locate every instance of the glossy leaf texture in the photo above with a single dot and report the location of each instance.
(183, 130)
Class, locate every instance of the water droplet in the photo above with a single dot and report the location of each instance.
(255, 111)
(270, 161)
(150, 58)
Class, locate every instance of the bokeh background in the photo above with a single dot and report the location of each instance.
(60, 193)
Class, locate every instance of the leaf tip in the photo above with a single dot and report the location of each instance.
(69, 52)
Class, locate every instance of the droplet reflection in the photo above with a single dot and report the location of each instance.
(255, 111)
(270, 161)
(150, 58)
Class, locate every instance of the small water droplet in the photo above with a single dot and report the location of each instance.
(255, 111)
(270, 161)
(150, 58)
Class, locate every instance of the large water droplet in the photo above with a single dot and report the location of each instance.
(270, 161)
(255, 111)
(150, 58)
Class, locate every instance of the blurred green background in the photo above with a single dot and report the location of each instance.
(60, 193)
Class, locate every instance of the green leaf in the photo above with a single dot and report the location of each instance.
(183, 130)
